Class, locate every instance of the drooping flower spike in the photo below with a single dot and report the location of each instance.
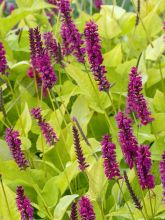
(47, 130)
(78, 149)
(86, 209)
(23, 204)
(128, 142)
(95, 57)
(111, 167)
(74, 213)
(13, 140)
(135, 99)
(72, 39)
(162, 174)
(132, 193)
(143, 167)
(3, 61)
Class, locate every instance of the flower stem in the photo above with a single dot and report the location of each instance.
(151, 204)
(161, 75)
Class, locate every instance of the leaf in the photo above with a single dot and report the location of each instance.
(4, 151)
(153, 53)
(159, 101)
(63, 205)
(114, 57)
(157, 125)
(24, 123)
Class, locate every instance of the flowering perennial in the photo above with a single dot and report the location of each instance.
(162, 174)
(86, 209)
(3, 62)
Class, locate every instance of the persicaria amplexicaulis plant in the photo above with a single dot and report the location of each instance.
(86, 209)
(74, 213)
(23, 204)
(47, 130)
(78, 149)
(128, 141)
(162, 174)
(143, 167)
(135, 99)
(93, 49)
(111, 167)
(98, 3)
(14, 142)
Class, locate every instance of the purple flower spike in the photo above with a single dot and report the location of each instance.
(162, 174)
(13, 140)
(135, 100)
(95, 57)
(143, 166)
(86, 210)
(23, 204)
(74, 214)
(72, 39)
(128, 142)
(79, 153)
(98, 3)
(3, 62)
(47, 130)
(111, 166)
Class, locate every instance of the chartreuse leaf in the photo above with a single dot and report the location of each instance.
(63, 205)
(159, 101)
(4, 151)
(114, 57)
(24, 123)
(157, 126)
(8, 211)
(24, 3)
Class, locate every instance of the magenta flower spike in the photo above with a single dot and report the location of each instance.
(86, 209)
(98, 3)
(47, 130)
(95, 57)
(111, 167)
(23, 204)
(128, 142)
(78, 149)
(135, 99)
(3, 61)
(162, 174)
(143, 166)
(72, 39)
(74, 214)
(13, 140)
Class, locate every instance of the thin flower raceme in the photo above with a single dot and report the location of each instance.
(72, 39)
(128, 142)
(74, 214)
(132, 193)
(111, 166)
(47, 130)
(135, 99)
(23, 204)
(162, 174)
(86, 209)
(3, 61)
(79, 153)
(13, 140)
(53, 47)
(95, 57)
(143, 166)
(98, 3)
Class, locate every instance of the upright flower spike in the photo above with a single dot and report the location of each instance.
(13, 140)
(86, 209)
(79, 153)
(132, 193)
(143, 166)
(162, 174)
(23, 204)
(74, 214)
(128, 142)
(135, 99)
(111, 166)
(95, 57)
(3, 61)
(47, 130)
(98, 3)
(72, 39)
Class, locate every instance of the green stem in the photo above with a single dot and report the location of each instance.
(151, 204)
(162, 80)
(3, 189)
(125, 200)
